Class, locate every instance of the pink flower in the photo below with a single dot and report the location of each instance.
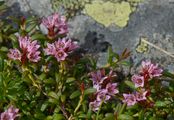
(111, 88)
(50, 21)
(33, 46)
(50, 50)
(24, 42)
(97, 87)
(130, 99)
(28, 50)
(61, 44)
(10, 114)
(55, 24)
(34, 56)
(62, 25)
(95, 105)
(141, 95)
(14, 54)
(70, 46)
(60, 48)
(98, 77)
(138, 80)
(60, 55)
(102, 83)
(150, 70)
(102, 96)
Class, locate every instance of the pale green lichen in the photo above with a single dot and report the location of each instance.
(142, 47)
(108, 13)
(71, 7)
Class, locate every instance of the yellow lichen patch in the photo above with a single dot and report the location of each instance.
(142, 46)
(108, 13)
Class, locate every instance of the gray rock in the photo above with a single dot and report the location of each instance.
(153, 19)
(33, 7)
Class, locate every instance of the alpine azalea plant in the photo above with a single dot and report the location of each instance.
(10, 114)
(45, 78)
(141, 81)
(61, 48)
(104, 86)
(55, 24)
(28, 50)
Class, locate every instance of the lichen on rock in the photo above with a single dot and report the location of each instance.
(142, 46)
(71, 7)
(108, 13)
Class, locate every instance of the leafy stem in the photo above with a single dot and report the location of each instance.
(30, 76)
(78, 106)
(97, 117)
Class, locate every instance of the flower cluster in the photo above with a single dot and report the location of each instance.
(147, 72)
(28, 50)
(132, 99)
(105, 88)
(60, 48)
(10, 114)
(55, 24)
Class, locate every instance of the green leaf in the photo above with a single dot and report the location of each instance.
(89, 91)
(82, 116)
(141, 115)
(84, 106)
(53, 101)
(109, 116)
(42, 76)
(75, 94)
(2, 3)
(31, 20)
(6, 28)
(4, 49)
(49, 118)
(49, 81)
(58, 117)
(12, 97)
(122, 108)
(89, 113)
(53, 95)
(70, 79)
(110, 55)
(160, 104)
(44, 106)
(168, 74)
(31, 27)
(118, 107)
(1, 64)
(2, 6)
(13, 37)
(125, 63)
(39, 115)
(130, 84)
(38, 37)
(125, 117)
(63, 98)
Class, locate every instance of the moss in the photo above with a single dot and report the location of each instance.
(108, 13)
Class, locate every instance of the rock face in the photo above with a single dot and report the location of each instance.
(153, 20)
(34, 7)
